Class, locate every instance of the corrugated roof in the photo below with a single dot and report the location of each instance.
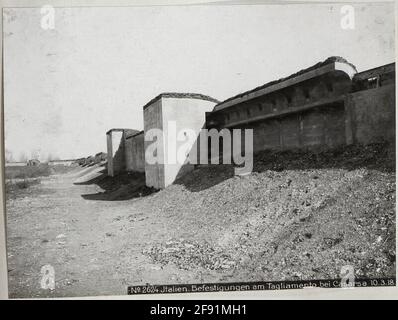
(181, 96)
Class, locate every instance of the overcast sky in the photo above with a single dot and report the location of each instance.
(64, 88)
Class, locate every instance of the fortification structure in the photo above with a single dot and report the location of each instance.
(172, 114)
(134, 151)
(324, 106)
(116, 149)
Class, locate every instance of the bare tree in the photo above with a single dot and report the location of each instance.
(52, 157)
(22, 157)
(35, 154)
(9, 157)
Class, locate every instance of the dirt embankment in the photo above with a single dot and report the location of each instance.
(299, 215)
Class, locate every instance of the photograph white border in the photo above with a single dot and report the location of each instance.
(310, 293)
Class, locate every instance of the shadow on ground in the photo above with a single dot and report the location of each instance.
(125, 186)
(377, 156)
(129, 185)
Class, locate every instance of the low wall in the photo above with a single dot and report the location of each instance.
(62, 162)
(115, 152)
(154, 173)
(372, 114)
(319, 127)
(135, 155)
(361, 117)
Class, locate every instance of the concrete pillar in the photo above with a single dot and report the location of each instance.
(349, 120)
(115, 147)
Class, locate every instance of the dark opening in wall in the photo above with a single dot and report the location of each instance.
(260, 107)
(273, 106)
(386, 78)
(248, 112)
(289, 99)
(329, 86)
(373, 82)
(306, 93)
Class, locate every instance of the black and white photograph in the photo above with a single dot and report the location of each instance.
(198, 148)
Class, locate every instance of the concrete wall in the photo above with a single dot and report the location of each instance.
(135, 154)
(115, 152)
(309, 114)
(183, 113)
(318, 113)
(361, 117)
(318, 110)
(187, 114)
(372, 114)
(326, 87)
(323, 126)
(61, 162)
(154, 173)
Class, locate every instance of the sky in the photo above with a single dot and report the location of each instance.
(65, 87)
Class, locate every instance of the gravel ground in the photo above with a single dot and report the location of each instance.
(300, 215)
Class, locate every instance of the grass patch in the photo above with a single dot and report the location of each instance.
(42, 170)
(15, 188)
(24, 172)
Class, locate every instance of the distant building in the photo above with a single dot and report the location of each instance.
(99, 157)
(89, 161)
(66, 162)
(80, 161)
(32, 162)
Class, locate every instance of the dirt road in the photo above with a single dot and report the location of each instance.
(95, 247)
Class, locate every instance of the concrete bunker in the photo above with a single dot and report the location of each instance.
(116, 149)
(172, 113)
(324, 106)
(317, 107)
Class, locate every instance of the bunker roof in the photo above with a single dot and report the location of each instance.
(124, 130)
(131, 135)
(181, 96)
(387, 68)
(247, 95)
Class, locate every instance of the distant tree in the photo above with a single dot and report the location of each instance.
(22, 157)
(35, 154)
(52, 157)
(9, 156)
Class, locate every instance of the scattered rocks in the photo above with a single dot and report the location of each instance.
(189, 255)
(156, 268)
